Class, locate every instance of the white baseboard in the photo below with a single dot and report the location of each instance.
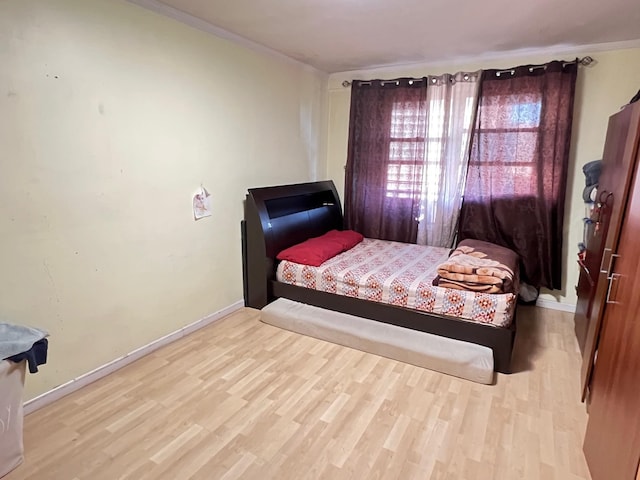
(564, 307)
(104, 370)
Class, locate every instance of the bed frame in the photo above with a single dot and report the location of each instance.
(281, 216)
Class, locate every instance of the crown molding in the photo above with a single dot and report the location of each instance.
(204, 26)
(163, 9)
(555, 50)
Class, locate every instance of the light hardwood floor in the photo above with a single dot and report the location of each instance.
(241, 399)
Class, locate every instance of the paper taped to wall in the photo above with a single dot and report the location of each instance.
(201, 204)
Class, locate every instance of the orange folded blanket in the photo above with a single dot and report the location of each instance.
(480, 267)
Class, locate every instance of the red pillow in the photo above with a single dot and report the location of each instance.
(318, 250)
(314, 251)
(348, 238)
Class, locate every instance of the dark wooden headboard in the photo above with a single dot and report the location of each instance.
(276, 218)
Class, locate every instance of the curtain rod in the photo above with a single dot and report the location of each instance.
(584, 61)
(580, 61)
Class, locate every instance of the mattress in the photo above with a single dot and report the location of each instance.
(453, 357)
(399, 274)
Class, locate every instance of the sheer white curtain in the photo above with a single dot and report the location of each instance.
(451, 105)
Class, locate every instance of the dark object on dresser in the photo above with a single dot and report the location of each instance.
(281, 216)
(591, 172)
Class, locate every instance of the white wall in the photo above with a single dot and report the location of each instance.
(601, 90)
(110, 117)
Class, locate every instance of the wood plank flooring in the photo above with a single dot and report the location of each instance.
(241, 399)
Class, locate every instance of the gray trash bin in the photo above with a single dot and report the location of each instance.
(19, 346)
(11, 386)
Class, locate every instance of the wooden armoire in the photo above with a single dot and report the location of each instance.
(608, 310)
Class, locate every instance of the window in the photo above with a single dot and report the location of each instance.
(510, 144)
(416, 149)
(406, 150)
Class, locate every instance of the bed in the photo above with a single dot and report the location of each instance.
(279, 217)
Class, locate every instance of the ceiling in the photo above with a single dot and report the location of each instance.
(342, 35)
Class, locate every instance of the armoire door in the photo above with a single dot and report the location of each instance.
(618, 165)
(612, 439)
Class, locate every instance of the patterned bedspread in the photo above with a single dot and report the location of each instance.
(399, 274)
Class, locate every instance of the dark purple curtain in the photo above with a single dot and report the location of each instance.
(385, 158)
(517, 176)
